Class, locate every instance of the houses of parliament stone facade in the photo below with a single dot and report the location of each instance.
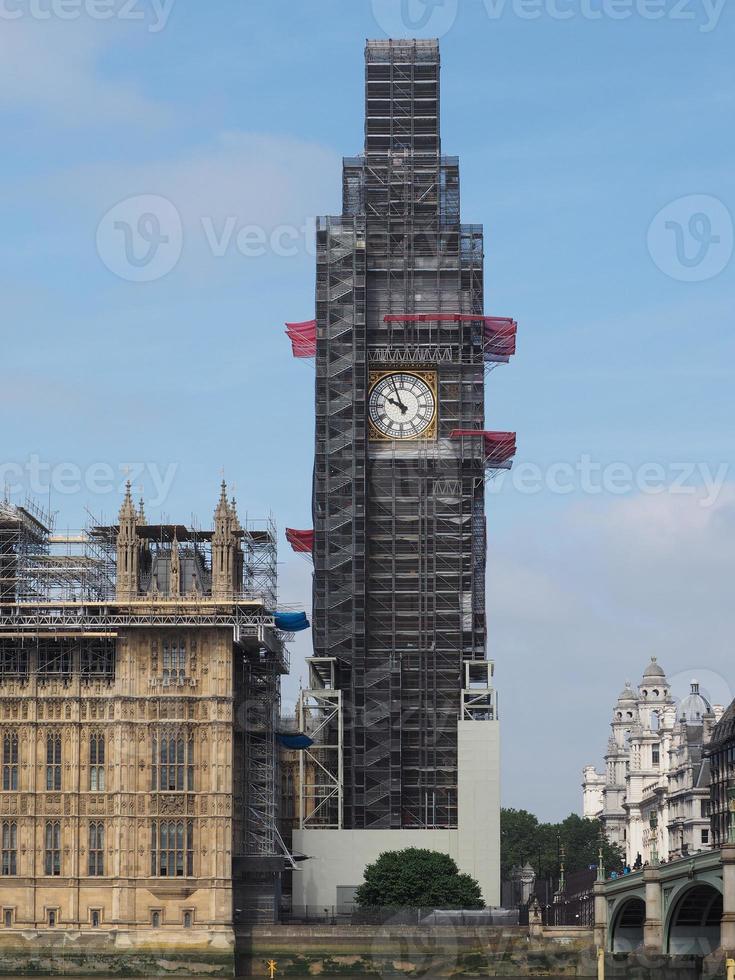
(139, 679)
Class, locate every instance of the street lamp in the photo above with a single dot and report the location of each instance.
(653, 823)
(731, 818)
(601, 860)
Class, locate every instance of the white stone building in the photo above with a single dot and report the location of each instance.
(653, 796)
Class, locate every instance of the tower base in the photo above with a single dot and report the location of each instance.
(337, 858)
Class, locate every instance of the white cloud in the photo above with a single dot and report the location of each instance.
(578, 604)
(52, 67)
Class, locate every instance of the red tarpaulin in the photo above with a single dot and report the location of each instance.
(302, 542)
(500, 447)
(500, 337)
(303, 338)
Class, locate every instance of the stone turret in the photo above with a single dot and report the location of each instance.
(227, 555)
(128, 547)
(175, 571)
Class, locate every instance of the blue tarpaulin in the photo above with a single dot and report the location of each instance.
(292, 622)
(295, 740)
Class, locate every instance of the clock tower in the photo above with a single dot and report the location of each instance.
(400, 701)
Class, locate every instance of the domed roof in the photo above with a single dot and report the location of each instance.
(724, 730)
(694, 706)
(654, 669)
(627, 694)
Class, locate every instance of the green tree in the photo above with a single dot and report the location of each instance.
(417, 878)
(524, 839)
(520, 839)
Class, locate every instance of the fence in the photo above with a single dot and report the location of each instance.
(344, 915)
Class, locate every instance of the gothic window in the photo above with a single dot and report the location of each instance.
(172, 854)
(10, 760)
(97, 762)
(174, 661)
(97, 658)
(187, 920)
(96, 850)
(156, 919)
(9, 847)
(54, 657)
(172, 768)
(13, 658)
(53, 761)
(52, 864)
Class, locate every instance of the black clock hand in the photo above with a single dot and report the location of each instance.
(402, 407)
(398, 405)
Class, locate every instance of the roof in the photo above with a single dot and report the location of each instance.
(724, 730)
(694, 707)
(654, 669)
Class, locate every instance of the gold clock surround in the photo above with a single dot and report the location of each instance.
(429, 378)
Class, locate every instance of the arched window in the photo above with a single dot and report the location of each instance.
(9, 847)
(172, 843)
(174, 661)
(96, 849)
(52, 863)
(10, 761)
(187, 920)
(53, 761)
(155, 919)
(97, 762)
(172, 764)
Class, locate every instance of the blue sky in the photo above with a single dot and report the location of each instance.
(596, 149)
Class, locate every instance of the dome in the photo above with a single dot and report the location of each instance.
(653, 670)
(694, 706)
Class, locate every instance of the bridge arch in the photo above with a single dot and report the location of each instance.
(626, 930)
(693, 921)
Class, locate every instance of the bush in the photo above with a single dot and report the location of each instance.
(417, 878)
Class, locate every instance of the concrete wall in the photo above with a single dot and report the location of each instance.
(339, 857)
(478, 839)
(410, 951)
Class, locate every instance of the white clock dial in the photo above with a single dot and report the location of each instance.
(401, 406)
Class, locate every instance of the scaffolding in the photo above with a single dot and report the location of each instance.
(321, 772)
(399, 527)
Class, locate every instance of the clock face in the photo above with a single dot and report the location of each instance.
(403, 406)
